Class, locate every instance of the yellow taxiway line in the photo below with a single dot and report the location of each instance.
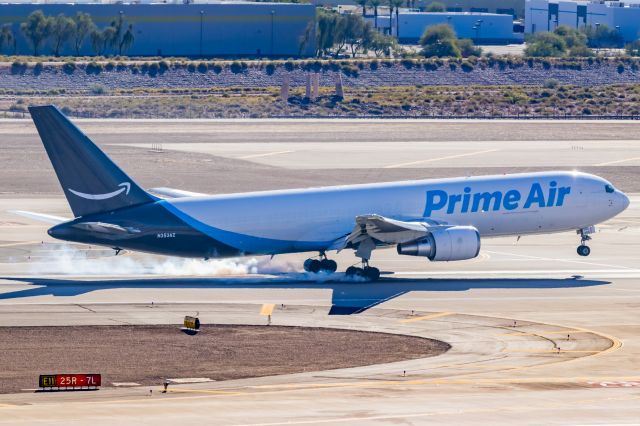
(427, 317)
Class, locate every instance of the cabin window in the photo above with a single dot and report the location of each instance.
(609, 189)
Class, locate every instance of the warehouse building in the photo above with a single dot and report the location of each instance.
(194, 30)
(482, 28)
(545, 15)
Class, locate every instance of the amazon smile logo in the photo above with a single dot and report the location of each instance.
(126, 186)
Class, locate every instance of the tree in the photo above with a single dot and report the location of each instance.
(633, 49)
(572, 37)
(6, 37)
(601, 36)
(436, 7)
(467, 48)
(375, 4)
(441, 41)
(394, 4)
(83, 26)
(127, 40)
(545, 45)
(380, 44)
(62, 29)
(363, 4)
(36, 29)
(329, 29)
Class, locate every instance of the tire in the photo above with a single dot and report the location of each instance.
(353, 271)
(584, 250)
(312, 265)
(372, 273)
(328, 265)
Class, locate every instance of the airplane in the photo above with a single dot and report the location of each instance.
(438, 219)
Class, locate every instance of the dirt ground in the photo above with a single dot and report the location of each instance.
(149, 354)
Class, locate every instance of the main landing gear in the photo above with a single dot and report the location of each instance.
(369, 272)
(320, 265)
(583, 248)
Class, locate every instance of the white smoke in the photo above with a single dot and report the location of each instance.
(68, 260)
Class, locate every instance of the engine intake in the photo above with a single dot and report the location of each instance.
(444, 245)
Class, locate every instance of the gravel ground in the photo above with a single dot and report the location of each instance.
(149, 354)
(53, 78)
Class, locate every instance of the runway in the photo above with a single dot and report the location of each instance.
(538, 334)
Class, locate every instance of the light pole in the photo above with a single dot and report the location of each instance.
(273, 12)
(201, 27)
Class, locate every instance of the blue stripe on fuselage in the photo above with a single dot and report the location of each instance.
(248, 244)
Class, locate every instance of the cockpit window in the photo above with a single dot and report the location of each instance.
(609, 189)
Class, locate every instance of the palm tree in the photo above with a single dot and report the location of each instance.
(127, 40)
(394, 4)
(375, 4)
(363, 3)
(6, 36)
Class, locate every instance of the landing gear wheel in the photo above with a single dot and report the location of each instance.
(312, 265)
(372, 273)
(328, 265)
(584, 250)
(353, 271)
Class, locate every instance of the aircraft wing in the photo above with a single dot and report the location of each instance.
(41, 217)
(387, 231)
(174, 193)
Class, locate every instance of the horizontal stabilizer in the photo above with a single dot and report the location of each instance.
(41, 217)
(175, 193)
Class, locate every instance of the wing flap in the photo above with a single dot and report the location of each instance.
(385, 230)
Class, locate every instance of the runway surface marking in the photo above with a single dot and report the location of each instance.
(265, 154)
(23, 243)
(431, 160)
(547, 351)
(427, 317)
(524, 333)
(608, 163)
(549, 259)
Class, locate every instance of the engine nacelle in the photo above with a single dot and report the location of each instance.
(455, 243)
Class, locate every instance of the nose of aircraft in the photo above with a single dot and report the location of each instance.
(624, 201)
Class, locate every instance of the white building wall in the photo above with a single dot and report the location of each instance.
(626, 19)
(481, 27)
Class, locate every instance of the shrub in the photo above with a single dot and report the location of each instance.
(289, 66)
(97, 89)
(163, 66)
(37, 69)
(466, 67)
(453, 66)
(93, 68)
(110, 66)
(217, 68)
(620, 68)
(551, 83)
(153, 69)
(191, 67)
(373, 65)
(203, 67)
(236, 67)
(270, 68)
(18, 67)
(69, 67)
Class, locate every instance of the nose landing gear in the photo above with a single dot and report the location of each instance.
(583, 248)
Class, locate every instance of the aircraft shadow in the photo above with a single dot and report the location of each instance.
(347, 297)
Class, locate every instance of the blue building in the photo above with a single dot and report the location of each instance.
(194, 30)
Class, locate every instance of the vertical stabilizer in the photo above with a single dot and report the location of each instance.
(91, 182)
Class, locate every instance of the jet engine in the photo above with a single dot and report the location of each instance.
(455, 243)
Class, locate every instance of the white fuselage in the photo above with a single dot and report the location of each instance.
(312, 219)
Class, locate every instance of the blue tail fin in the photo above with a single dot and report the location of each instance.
(91, 182)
